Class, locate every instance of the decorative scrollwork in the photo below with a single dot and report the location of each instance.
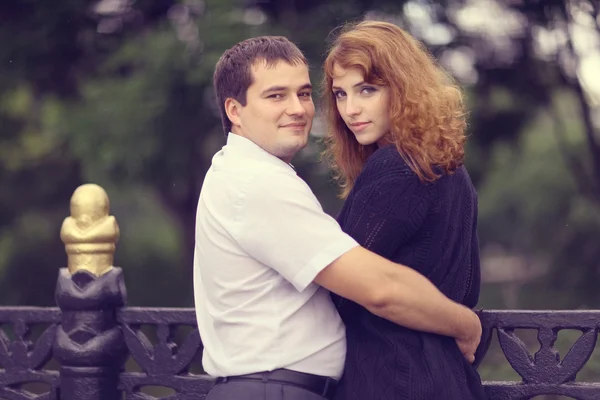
(546, 366)
(517, 354)
(22, 360)
(544, 373)
(164, 363)
(578, 356)
(165, 357)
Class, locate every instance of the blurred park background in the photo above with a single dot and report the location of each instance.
(118, 93)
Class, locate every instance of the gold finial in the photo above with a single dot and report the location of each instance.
(90, 234)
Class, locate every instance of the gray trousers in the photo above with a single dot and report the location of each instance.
(251, 390)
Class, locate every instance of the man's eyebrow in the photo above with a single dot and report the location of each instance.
(274, 89)
(283, 88)
(355, 85)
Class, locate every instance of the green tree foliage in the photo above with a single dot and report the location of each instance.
(122, 97)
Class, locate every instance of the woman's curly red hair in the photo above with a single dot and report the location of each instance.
(427, 111)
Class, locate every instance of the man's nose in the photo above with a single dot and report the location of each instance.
(295, 107)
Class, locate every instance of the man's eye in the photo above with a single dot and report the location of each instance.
(305, 94)
(276, 96)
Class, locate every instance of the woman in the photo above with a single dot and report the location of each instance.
(396, 140)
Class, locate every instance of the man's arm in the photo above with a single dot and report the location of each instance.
(401, 295)
(283, 226)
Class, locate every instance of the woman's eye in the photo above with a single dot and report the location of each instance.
(368, 90)
(339, 94)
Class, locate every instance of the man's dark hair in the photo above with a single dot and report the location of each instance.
(233, 73)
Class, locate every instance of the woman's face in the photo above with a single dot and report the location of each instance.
(364, 107)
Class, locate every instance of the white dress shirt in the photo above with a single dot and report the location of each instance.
(261, 239)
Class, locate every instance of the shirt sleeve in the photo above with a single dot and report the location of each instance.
(386, 212)
(284, 227)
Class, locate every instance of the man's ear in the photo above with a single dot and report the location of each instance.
(233, 108)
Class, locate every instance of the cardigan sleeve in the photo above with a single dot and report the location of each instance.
(386, 212)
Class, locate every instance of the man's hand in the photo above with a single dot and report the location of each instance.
(468, 342)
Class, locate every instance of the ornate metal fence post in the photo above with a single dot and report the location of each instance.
(89, 342)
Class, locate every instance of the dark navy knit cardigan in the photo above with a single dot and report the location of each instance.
(430, 227)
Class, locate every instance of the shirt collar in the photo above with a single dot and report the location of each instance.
(248, 147)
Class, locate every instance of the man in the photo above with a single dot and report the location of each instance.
(266, 253)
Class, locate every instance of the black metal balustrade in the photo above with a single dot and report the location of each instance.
(91, 335)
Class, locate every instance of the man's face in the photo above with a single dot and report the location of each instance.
(279, 109)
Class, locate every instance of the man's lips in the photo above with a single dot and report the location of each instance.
(294, 125)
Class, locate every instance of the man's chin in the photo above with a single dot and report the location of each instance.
(302, 140)
(293, 145)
